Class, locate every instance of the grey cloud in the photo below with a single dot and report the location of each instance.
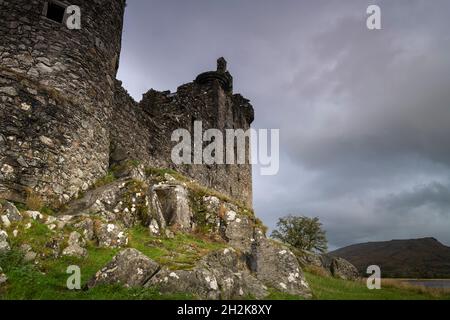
(364, 115)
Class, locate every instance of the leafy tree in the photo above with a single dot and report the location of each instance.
(302, 233)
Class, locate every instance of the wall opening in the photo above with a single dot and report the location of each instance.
(55, 11)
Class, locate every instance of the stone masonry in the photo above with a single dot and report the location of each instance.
(65, 119)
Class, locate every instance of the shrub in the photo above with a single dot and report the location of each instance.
(302, 233)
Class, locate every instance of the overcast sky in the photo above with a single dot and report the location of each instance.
(364, 116)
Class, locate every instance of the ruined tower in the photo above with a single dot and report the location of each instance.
(56, 94)
(66, 120)
(209, 99)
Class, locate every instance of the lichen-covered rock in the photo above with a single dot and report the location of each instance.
(35, 215)
(99, 200)
(4, 245)
(222, 274)
(75, 246)
(277, 267)
(86, 226)
(175, 205)
(11, 213)
(341, 268)
(4, 221)
(28, 254)
(128, 201)
(199, 282)
(154, 228)
(3, 277)
(239, 231)
(233, 276)
(110, 235)
(55, 245)
(332, 266)
(129, 268)
(63, 221)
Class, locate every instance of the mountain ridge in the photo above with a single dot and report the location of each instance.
(400, 258)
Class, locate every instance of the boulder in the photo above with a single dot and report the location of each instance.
(238, 231)
(199, 282)
(154, 228)
(10, 213)
(35, 215)
(276, 266)
(86, 226)
(126, 200)
(110, 235)
(330, 265)
(341, 268)
(175, 205)
(102, 199)
(3, 277)
(63, 221)
(75, 246)
(222, 274)
(129, 268)
(55, 244)
(4, 245)
(234, 278)
(235, 228)
(28, 254)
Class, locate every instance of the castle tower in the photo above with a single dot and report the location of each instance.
(56, 94)
(209, 99)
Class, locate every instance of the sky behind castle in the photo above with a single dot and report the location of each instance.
(364, 116)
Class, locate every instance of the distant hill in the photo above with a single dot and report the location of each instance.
(414, 258)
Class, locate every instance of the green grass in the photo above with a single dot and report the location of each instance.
(327, 288)
(110, 177)
(182, 252)
(277, 295)
(47, 280)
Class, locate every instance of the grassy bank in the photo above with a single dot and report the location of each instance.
(327, 288)
(47, 279)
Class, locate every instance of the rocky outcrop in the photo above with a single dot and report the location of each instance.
(76, 245)
(331, 265)
(110, 235)
(9, 214)
(277, 266)
(125, 200)
(175, 205)
(341, 268)
(220, 275)
(129, 268)
(250, 266)
(4, 245)
(235, 225)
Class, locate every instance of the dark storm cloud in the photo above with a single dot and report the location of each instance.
(364, 115)
(434, 196)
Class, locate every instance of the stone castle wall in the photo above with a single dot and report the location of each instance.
(56, 93)
(65, 119)
(142, 131)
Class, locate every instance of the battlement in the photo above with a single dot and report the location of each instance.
(66, 119)
(160, 113)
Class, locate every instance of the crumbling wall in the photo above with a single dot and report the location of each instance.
(143, 131)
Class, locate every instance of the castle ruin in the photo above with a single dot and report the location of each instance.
(65, 119)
